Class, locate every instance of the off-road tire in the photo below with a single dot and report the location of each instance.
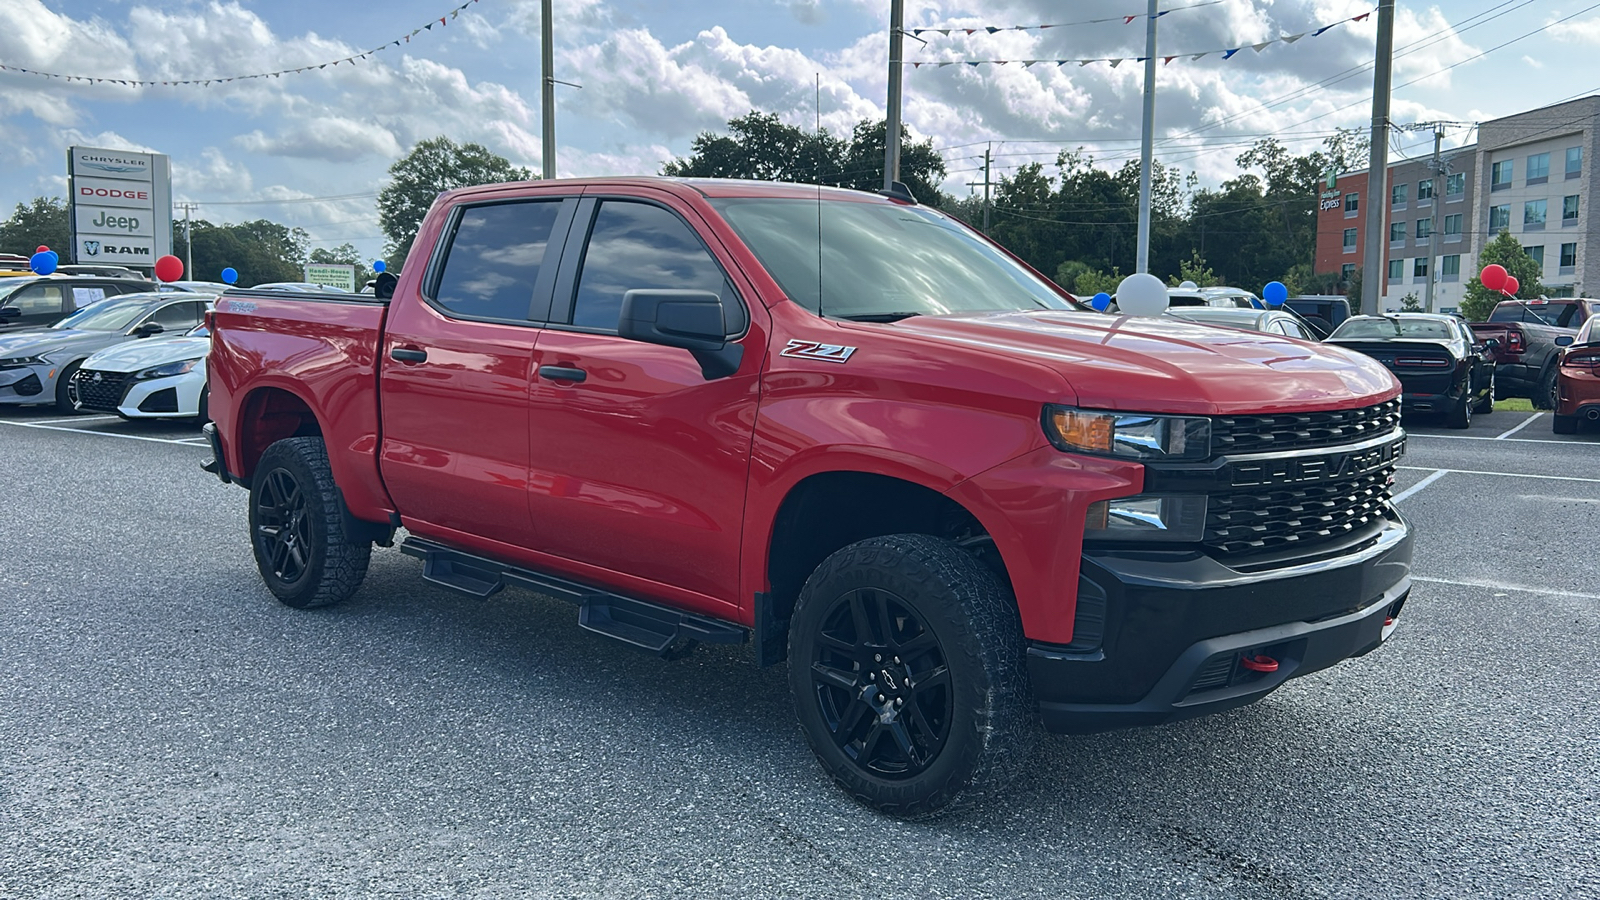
(1544, 394)
(988, 715)
(1486, 405)
(1564, 424)
(293, 491)
(63, 398)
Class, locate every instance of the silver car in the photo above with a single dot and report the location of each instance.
(37, 364)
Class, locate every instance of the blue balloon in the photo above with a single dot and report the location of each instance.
(230, 275)
(43, 263)
(1101, 301)
(55, 258)
(378, 265)
(1275, 293)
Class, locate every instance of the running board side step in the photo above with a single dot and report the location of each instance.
(649, 626)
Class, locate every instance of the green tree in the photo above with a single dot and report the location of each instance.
(1194, 269)
(1095, 282)
(1067, 274)
(260, 251)
(43, 220)
(432, 167)
(1505, 251)
(1301, 280)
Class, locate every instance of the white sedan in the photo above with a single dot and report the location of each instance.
(162, 379)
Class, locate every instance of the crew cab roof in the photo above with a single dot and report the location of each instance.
(705, 187)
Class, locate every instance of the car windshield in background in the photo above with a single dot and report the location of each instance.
(103, 316)
(8, 286)
(881, 261)
(1393, 328)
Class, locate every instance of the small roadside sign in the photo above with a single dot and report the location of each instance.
(332, 276)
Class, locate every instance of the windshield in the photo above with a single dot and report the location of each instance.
(115, 315)
(881, 260)
(1393, 328)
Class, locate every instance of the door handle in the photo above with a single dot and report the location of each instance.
(562, 373)
(408, 354)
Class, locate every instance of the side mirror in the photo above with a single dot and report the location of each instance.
(148, 329)
(692, 320)
(1564, 340)
(10, 312)
(383, 286)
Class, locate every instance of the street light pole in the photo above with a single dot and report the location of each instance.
(891, 133)
(1373, 275)
(1147, 143)
(548, 94)
(1438, 207)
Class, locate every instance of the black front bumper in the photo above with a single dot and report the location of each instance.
(1163, 635)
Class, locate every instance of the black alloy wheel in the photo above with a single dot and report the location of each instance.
(283, 529)
(882, 684)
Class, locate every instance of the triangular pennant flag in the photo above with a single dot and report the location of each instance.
(1228, 54)
(1361, 17)
(1263, 45)
(1141, 59)
(441, 20)
(976, 63)
(1291, 38)
(943, 64)
(1115, 63)
(455, 13)
(1169, 59)
(1162, 13)
(1028, 63)
(916, 65)
(1043, 27)
(1128, 19)
(1084, 62)
(429, 26)
(991, 29)
(1319, 31)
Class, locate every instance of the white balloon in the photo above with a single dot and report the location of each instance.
(1189, 286)
(1142, 295)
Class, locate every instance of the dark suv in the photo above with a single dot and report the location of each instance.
(46, 300)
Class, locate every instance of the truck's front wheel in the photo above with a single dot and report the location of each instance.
(297, 530)
(907, 666)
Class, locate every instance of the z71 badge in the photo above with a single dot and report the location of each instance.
(813, 350)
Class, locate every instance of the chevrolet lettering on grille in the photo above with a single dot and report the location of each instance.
(1316, 466)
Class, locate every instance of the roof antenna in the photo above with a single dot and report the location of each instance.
(819, 252)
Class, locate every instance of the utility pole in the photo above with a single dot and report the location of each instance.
(1147, 144)
(891, 134)
(547, 46)
(1374, 275)
(188, 240)
(987, 184)
(1438, 207)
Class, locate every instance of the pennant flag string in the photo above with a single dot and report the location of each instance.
(206, 82)
(1226, 53)
(948, 30)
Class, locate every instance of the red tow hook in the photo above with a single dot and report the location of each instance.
(1259, 663)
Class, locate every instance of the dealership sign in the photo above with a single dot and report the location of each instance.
(332, 276)
(121, 206)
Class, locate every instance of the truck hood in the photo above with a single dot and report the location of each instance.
(50, 340)
(1162, 364)
(136, 355)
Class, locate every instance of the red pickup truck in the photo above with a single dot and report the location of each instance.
(843, 427)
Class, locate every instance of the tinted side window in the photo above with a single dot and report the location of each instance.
(37, 300)
(636, 245)
(494, 259)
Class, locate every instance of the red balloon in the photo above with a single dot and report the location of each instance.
(1511, 285)
(169, 268)
(1493, 277)
(42, 249)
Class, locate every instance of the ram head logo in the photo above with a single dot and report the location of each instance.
(91, 247)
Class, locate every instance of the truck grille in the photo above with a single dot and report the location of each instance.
(1295, 431)
(103, 394)
(1294, 516)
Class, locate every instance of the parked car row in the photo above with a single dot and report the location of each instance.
(1527, 331)
(1577, 369)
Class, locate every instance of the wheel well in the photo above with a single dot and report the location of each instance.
(269, 415)
(832, 510)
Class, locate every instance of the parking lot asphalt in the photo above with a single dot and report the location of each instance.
(168, 729)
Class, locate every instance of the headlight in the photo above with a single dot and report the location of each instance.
(1128, 435)
(16, 361)
(170, 369)
(1147, 517)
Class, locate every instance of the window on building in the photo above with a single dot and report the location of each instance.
(1419, 267)
(1500, 175)
(1452, 226)
(1397, 232)
(1539, 168)
(1352, 202)
(1533, 214)
(1349, 240)
(1455, 184)
(1500, 216)
(1574, 162)
(1397, 269)
(1450, 267)
(1398, 194)
(1569, 210)
(1569, 256)
(1536, 254)
(1424, 228)
(1425, 190)
(1347, 271)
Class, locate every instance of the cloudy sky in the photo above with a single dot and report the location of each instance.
(311, 149)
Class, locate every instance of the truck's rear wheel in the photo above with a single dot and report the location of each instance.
(1544, 394)
(297, 530)
(907, 665)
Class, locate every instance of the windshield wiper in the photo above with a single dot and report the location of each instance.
(877, 317)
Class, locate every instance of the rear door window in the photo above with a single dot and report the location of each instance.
(37, 300)
(639, 246)
(176, 318)
(492, 265)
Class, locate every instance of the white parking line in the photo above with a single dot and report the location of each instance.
(1437, 474)
(109, 434)
(1525, 424)
(1465, 437)
(1496, 586)
(71, 419)
(1502, 474)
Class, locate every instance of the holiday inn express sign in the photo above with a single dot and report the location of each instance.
(121, 206)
